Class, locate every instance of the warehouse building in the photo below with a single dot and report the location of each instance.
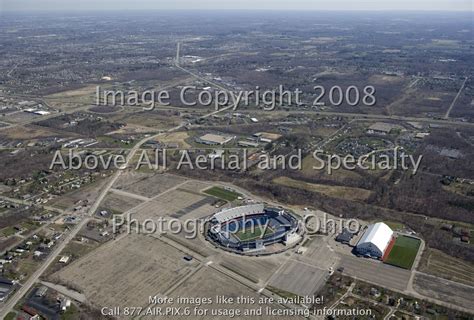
(375, 240)
(214, 139)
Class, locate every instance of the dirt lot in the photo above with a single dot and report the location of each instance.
(300, 278)
(177, 203)
(20, 117)
(131, 269)
(196, 186)
(146, 185)
(260, 268)
(31, 132)
(176, 137)
(330, 191)
(445, 290)
(210, 283)
(119, 203)
(440, 264)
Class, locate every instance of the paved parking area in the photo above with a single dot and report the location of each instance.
(300, 278)
(376, 272)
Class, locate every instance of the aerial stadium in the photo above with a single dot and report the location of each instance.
(254, 229)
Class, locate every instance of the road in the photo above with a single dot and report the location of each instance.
(65, 291)
(373, 117)
(30, 203)
(348, 292)
(415, 266)
(54, 254)
(446, 116)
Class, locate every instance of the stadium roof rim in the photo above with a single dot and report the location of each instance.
(236, 212)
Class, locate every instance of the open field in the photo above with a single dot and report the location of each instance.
(260, 268)
(348, 193)
(89, 90)
(177, 203)
(32, 131)
(404, 252)
(444, 290)
(176, 137)
(119, 203)
(195, 185)
(300, 278)
(150, 119)
(137, 265)
(222, 193)
(211, 283)
(440, 264)
(147, 185)
(338, 175)
(394, 225)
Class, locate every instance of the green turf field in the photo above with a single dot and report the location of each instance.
(253, 233)
(222, 193)
(404, 252)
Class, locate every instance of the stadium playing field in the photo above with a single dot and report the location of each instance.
(222, 193)
(404, 252)
(253, 233)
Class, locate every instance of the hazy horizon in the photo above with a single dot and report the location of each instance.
(273, 5)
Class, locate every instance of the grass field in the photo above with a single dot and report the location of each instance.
(222, 193)
(395, 225)
(348, 193)
(252, 233)
(404, 252)
(442, 265)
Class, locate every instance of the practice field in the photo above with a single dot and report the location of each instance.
(255, 232)
(222, 193)
(404, 252)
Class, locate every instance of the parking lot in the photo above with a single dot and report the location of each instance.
(375, 271)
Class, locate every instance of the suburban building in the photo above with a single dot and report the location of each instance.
(214, 139)
(6, 287)
(382, 128)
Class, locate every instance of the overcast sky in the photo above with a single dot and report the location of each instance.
(436, 5)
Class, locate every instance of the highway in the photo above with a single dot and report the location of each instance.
(397, 279)
(446, 116)
(362, 116)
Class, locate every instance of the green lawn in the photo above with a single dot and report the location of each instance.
(222, 193)
(253, 233)
(8, 231)
(10, 316)
(404, 252)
